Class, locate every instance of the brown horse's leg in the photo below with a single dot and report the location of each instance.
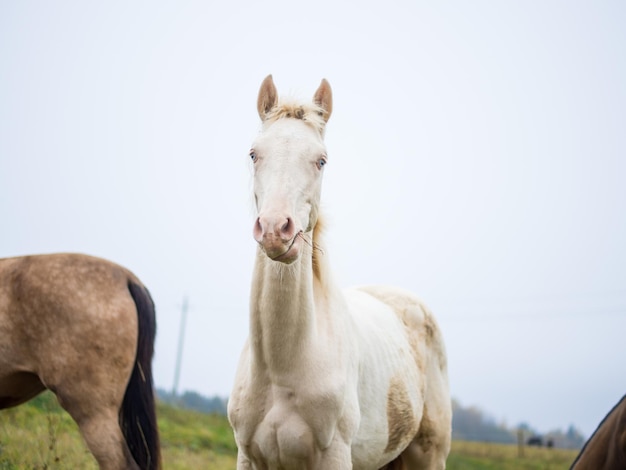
(94, 404)
(101, 431)
(105, 440)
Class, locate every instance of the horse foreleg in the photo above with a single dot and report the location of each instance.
(338, 456)
(243, 463)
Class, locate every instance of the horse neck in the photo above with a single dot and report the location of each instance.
(284, 311)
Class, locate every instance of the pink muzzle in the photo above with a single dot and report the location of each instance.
(276, 234)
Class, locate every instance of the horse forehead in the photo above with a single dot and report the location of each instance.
(290, 134)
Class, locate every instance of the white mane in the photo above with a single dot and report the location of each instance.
(310, 113)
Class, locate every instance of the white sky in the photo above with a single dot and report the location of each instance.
(477, 157)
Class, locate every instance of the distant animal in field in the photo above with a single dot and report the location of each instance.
(606, 448)
(329, 379)
(83, 328)
(535, 441)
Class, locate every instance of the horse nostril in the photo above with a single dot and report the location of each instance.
(287, 229)
(257, 231)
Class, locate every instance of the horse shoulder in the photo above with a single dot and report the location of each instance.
(246, 402)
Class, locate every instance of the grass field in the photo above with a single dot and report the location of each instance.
(41, 436)
(486, 456)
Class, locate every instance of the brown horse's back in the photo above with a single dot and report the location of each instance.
(78, 325)
(55, 312)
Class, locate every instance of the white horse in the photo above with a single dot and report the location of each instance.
(328, 379)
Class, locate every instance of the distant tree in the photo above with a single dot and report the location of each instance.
(472, 424)
(570, 439)
(195, 401)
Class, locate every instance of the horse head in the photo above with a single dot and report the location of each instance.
(288, 156)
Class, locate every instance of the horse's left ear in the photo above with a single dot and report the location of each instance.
(324, 98)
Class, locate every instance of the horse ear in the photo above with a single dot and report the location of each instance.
(267, 97)
(324, 98)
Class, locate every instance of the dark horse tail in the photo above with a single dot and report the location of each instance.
(137, 414)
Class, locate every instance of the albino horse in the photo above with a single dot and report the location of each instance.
(83, 328)
(328, 379)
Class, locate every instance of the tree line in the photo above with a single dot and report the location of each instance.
(473, 424)
(194, 401)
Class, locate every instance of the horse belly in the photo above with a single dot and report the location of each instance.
(380, 441)
(18, 387)
(391, 404)
(391, 383)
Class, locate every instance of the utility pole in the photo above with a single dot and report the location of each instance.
(181, 342)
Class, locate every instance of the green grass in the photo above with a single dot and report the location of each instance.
(192, 440)
(41, 436)
(487, 456)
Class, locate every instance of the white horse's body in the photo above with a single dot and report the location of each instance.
(328, 379)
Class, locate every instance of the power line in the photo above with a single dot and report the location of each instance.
(505, 315)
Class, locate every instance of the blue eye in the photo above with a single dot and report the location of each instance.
(253, 156)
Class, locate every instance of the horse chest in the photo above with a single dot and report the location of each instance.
(283, 439)
(292, 430)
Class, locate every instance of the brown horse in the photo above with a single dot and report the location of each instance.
(83, 328)
(606, 448)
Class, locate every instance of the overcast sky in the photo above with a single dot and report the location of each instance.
(477, 156)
